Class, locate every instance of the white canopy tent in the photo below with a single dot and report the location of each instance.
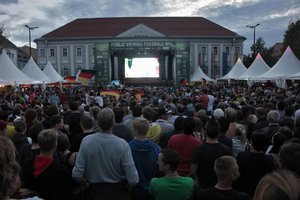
(287, 66)
(34, 72)
(10, 74)
(237, 70)
(257, 68)
(52, 73)
(199, 75)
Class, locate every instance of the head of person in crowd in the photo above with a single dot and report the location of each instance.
(280, 106)
(198, 125)
(3, 127)
(240, 132)
(86, 123)
(258, 141)
(278, 185)
(137, 111)
(51, 110)
(180, 109)
(189, 125)
(273, 117)
(260, 113)
(140, 127)
(106, 120)
(178, 124)
(163, 113)
(57, 122)
(73, 105)
(20, 126)
(269, 106)
(119, 114)
(288, 112)
(231, 114)
(94, 112)
(223, 123)
(63, 143)
(226, 169)
(218, 113)
(34, 131)
(289, 156)
(212, 129)
(148, 113)
(48, 141)
(9, 169)
(168, 160)
(297, 118)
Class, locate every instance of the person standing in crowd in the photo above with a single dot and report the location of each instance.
(171, 186)
(154, 132)
(273, 118)
(227, 172)
(254, 164)
(46, 176)
(178, 125)
(9, 169)
(185, 144)
(119, 128)
(73, 119)
(163, 115)
(87, 127)
(145, 153)
(105, 162)
(231, 114)
(289, 156)
(205, 155)
(279, 185)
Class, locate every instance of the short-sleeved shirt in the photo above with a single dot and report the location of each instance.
(177, 188)
(204, 156)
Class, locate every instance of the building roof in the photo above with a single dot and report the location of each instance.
(112, 27)
(4, 42)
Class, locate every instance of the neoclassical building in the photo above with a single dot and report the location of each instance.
(141, 49)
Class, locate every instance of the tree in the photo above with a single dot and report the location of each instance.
(292, 37)
(265, 52)
(3, 35)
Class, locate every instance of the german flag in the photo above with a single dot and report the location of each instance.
(114, 93)
(85, 75)
(70, 79)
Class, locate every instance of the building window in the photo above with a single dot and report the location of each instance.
(64, 52)
(215, 50)
(227, 50)
(237, 49)
(52, 53)
(78, 68)
(203, 50)
(42, 53)
(93, 51)
(78, 52)
(65, 70)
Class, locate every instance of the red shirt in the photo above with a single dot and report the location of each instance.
(185, 146)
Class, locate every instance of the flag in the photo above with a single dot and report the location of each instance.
(70, 79)
(114, 93)
(85, 76)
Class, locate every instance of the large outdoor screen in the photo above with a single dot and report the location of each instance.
(141, 68)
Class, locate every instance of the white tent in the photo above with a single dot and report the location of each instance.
(34, 72)
(199, 75)
(237, 70)
(9, 73)
(52, 73)
(287, 66)
(257, 68)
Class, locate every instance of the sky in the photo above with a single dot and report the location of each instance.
(274, 16)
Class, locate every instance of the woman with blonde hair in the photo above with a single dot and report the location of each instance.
(9, 169)
(239, 141)
(280, 185)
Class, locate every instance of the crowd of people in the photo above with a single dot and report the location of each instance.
(200, 142)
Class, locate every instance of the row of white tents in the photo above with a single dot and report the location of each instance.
(30, 74)
(287, 68)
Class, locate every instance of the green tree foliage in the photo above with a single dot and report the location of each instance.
(265, 52)
(292, 37)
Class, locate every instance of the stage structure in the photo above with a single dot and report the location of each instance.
(141, 50)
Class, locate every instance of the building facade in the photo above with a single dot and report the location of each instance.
(112, 46)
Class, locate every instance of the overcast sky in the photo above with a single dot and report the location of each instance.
(272, 15)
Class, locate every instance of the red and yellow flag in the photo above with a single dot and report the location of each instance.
(114, 93)
(85, 76)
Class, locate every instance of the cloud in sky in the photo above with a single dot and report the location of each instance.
(273, 15)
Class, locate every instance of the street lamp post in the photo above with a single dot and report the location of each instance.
(253, 27)
(29, 30)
